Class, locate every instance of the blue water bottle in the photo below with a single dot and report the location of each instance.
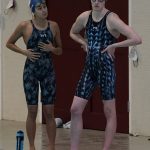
(20, 140)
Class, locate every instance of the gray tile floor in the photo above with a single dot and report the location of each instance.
(91, 139)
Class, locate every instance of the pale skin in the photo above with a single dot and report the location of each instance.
(24, 30)
(116, 27)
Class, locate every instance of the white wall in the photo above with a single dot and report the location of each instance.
(14, 104)
(140, 77)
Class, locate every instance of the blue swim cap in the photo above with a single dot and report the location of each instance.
(33, 4)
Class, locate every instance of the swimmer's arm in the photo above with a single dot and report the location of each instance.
(118, 25)
(57, 46)
(78, 25)
(18, 33)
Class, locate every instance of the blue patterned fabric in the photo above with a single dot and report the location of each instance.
(40, 72)
(99, 67)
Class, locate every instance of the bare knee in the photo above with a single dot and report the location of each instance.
(78, 106)
(32, 113)
(48, 116)
(48, 113)
(110, 109)
(109, 112)
(75, 110)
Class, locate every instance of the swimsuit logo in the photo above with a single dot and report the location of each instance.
(43, 35)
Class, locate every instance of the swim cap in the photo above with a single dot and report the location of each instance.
(33, 3)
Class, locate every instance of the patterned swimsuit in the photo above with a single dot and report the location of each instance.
(99, 67)
(41, 71)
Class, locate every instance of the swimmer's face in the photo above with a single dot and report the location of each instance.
(41, 10)
(97, 5)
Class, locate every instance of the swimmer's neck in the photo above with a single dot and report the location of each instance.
(41, 23)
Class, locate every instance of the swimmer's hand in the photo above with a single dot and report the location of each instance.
(31, 55)
(85, 47)
(110, 50)
(46, 47)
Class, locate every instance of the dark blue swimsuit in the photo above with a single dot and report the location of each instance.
(99, 67)
(40, 72)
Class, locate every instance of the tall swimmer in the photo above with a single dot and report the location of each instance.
(102, 28)
(42, 38)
